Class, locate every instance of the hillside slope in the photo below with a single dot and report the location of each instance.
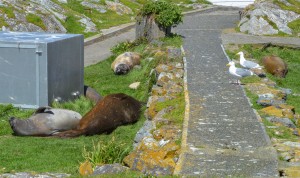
(87, 17)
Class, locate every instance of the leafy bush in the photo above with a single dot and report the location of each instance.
(165, 13)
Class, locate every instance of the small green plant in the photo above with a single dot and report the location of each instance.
(106, 152)
(166, 14)
(126, 46)
(36, 20)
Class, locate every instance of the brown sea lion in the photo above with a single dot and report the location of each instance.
(109, 113)
(45, 121)
(275, 66)
(91, 94)
(125, 62)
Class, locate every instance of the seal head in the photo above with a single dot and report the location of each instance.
(122, 69)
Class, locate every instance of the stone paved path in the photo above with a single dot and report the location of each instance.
(223, 136)
(96, 52)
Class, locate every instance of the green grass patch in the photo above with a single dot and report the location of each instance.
(42, 154)
(295, 26)
(176, 115)
(295, 5)
(36, 20)
(292, 58)
(253, 98)
(291, 81)
(106, 152)
(101, 20)
(8, 11)
(251, 79)
(3, 22)
(270, 22)
(72, 26)
(281, 132)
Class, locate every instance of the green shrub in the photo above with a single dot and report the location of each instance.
(165, 13)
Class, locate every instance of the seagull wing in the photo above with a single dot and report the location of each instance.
(250, 64)
(243, 72)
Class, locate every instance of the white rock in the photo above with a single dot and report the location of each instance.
(134, 85)
(292, 144)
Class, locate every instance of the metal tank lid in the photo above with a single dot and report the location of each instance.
(8, 36)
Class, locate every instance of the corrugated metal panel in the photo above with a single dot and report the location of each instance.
(37, 68)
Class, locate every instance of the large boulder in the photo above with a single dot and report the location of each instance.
(266, 18)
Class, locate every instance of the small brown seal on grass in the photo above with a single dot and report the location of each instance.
(45, 121)
(109, 113)
(125, 62)
(275, 66)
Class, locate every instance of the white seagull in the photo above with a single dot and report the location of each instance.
(248, 64)
(238, 72)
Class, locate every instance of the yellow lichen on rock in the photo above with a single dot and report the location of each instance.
(85, 168)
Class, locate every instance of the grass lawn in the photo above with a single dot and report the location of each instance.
(42, 154)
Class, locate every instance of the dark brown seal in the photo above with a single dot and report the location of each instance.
(275, 66)
(45, 122)
(91, 94)
(125, 62)
(109, 113)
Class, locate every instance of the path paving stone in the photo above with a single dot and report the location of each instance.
(224, 136)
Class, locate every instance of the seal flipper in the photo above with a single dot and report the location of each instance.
(43, 110)
(12, 122)
(69, 134)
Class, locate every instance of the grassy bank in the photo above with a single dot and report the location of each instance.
(41, 154)
(291, 81)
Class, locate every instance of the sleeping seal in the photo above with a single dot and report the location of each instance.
(125, 62)
(45, 121)
(275, 66)
(109, 113)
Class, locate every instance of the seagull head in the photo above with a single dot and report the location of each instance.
(240, 53)
(231, 63)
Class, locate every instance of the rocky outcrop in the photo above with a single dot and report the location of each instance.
(54, 14)
(266, 18)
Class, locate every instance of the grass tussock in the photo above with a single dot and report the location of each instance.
(42, 154)
(106, 152)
